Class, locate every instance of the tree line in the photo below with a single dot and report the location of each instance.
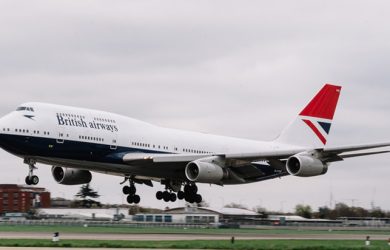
(340, 210)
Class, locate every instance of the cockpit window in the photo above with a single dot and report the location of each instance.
(25, 108)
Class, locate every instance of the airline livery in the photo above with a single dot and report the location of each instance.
(76, 141)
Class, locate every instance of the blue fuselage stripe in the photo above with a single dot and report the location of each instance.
(69, 149)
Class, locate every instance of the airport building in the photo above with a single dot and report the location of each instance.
(20, 199)
(199, 215)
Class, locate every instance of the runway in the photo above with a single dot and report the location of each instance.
(172, 237)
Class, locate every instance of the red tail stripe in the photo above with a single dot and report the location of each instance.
(323, 105)
(316, 131)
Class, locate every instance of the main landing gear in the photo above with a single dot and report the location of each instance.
(130, 191)
(167, 196)
(31, 179)
(190, 194)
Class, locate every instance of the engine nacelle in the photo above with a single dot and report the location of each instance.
(70, 176)
(304, 165)
(205, 171)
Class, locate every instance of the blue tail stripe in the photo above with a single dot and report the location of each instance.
(326, 126)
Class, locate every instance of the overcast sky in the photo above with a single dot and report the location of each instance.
(235, 68)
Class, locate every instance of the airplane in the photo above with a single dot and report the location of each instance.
(77, 141)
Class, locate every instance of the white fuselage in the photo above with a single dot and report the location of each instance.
(64, 133)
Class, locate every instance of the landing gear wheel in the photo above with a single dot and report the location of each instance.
(136, 199)
(173, 197)
(187, 189)
(130, 199)
(194, 189)
(180, 195)
(126, 190)
(132, 190)
(159, 195)
(190, 199)
(166, 196)
(34, 180)
(198, 198)
(28, 181)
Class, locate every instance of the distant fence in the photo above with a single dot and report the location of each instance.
(91, 223)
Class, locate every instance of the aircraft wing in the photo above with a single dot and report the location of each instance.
(246, 167)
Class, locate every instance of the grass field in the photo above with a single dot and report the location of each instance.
(192, 244)
(163, 230)
(204, 244)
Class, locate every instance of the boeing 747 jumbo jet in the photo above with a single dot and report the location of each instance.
(76, 141)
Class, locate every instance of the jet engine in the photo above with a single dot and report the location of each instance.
(205, 171)
(305, 165)
(70, 176)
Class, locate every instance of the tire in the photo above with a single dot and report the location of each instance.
(190, 199)
(159, 195)
(132, 190)
(180, 195)
(194, 189)
(126, 190)
(198, 198)
(187, 189)
(28, 181)
(173, 197)
(166, 196)
(34, 180)
(136, 199)
(130, 199)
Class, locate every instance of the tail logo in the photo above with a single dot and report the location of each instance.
(318, 114)
(320, 128)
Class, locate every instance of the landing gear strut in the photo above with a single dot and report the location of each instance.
(130, 191)
(31, 179)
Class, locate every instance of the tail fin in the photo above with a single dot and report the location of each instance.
(312, 126)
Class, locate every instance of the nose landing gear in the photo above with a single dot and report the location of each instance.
(31, 179)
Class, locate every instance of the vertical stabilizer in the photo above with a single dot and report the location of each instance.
(312, 126)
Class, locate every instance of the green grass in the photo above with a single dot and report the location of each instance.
(166, 230)
(203, 244)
